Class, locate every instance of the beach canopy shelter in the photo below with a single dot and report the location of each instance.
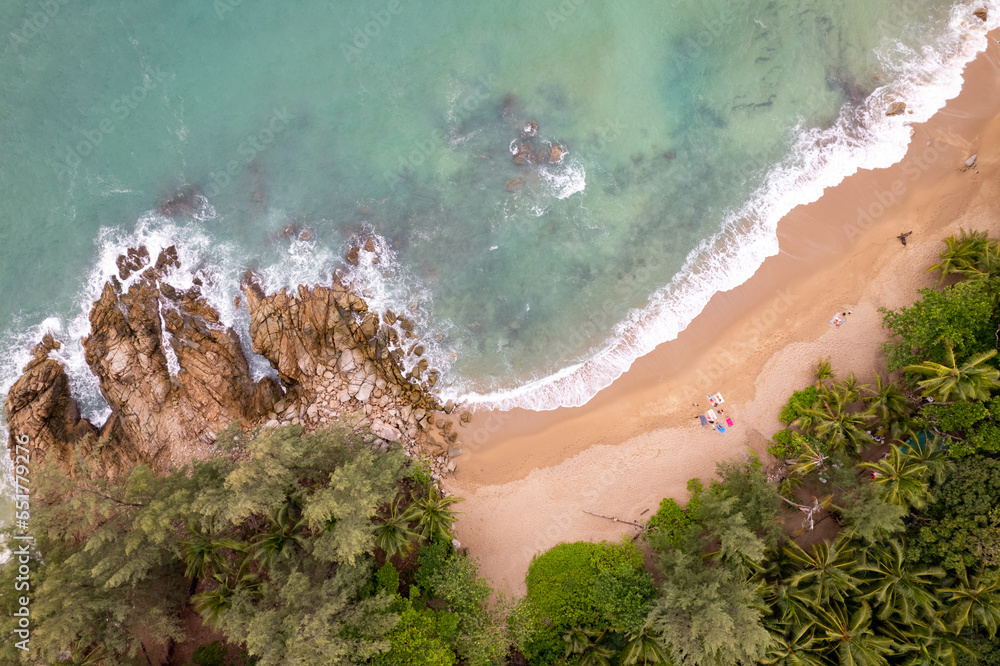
(716, 399)
(712, 416)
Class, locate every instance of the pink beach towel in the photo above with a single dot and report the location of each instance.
(729, 422)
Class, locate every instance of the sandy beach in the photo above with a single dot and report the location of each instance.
(529, 479)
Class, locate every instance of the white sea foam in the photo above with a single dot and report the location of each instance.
(386, 285)
(860, 139)
(564, 178)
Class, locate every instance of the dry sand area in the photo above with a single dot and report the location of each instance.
(529, 478)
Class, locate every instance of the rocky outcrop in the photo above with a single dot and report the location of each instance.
(337, 357)
(41, 413)
(136, 337)
(174, 375)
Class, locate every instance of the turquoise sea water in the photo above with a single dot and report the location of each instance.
(689, 128)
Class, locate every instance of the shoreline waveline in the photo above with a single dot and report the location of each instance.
(529, 478)
(863, 138)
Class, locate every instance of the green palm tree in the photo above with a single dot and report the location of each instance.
(810, 459)
(887, 401)
(86, 655)
(790, 604)
(432, 515)
(974, 602)
(214, 603)
(644, 647)
(903, 480)
(587, 644)
(852, 638)
(988, 263)
(972, 380)
(203, 551)
(903, 429)
(826, 571)
(832, 421)
(851, 388)
(393, 534)
(924, 644)
(280, 541)
(896, 589)
(929, 454)
(577, 639)
(965, 253)
(797, 647)
(823, 371)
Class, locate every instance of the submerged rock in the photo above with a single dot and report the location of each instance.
(507, 106)
(522, 154)
(515, 184)
(183, 204)
(896, 109)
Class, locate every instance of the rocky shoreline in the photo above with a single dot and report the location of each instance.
(174, 375)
